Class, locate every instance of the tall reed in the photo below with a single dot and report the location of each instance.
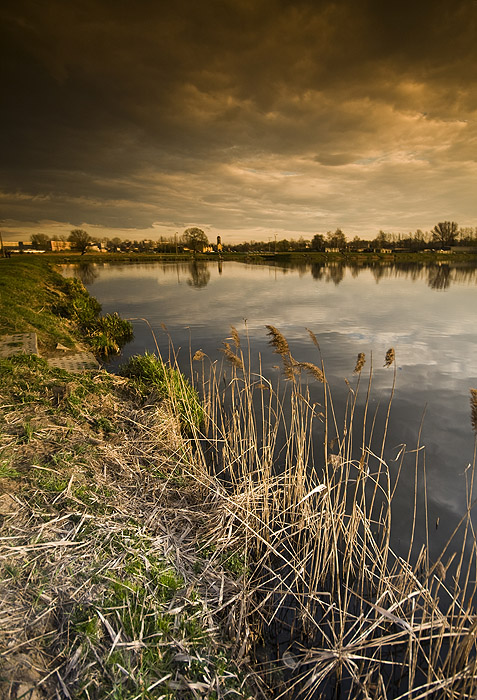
(306, 495)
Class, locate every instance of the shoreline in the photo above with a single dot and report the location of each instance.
(126, 555)
(262, 258)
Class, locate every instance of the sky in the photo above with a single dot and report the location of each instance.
(247, 118)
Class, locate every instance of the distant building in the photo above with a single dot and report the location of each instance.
(219, 244)
(57, 246)
(28, 248)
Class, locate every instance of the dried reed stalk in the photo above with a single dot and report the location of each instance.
(360, 620)
(313, 338)
(280, 343)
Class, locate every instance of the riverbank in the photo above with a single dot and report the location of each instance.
(116, 579)
(280, 533)
(346, 257)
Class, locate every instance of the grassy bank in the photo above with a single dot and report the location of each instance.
(156, 547)
(34, 297)
(116, 577)
(103, 587)
(29, 292)
(427, 257)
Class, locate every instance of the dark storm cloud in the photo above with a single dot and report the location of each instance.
(238, 114)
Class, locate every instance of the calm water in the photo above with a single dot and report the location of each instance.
(427, 314)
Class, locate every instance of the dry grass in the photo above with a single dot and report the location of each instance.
(234, 359)
(125, 549)
(116, 575)
(339, 613)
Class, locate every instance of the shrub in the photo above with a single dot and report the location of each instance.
(105, 334)
(108, 333)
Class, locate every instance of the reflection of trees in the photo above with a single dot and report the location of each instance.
(378, 272)
(415, 272)
(86, 272)
(301, 268)
(317, 271)
(465, 274)
(439, 277)
(199, 274)
(335, 273)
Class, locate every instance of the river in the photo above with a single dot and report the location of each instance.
(426, 313)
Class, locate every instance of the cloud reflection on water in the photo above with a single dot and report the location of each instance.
(431, 326)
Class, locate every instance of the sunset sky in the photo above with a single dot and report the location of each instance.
(248, 118)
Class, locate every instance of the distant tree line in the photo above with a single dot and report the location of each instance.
(193, 239)
(443, 235)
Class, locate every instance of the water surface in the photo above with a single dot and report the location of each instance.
(428, 314)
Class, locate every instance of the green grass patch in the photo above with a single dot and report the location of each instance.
(30, 289)
(25, 380)
(7, 471)
(148, 372)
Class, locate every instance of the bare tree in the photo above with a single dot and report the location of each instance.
(80, 239)
(445, 232)
(41, 241)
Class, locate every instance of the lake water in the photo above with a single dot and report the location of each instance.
(427, 314)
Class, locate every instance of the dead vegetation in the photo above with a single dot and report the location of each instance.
(142, 561)
(105, 590)
(339, 612)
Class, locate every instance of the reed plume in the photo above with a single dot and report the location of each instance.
(311, 369)
(235, 337)
(303, 506)
(313, 338)
(280, 343)
(231, 356)
(390, 357)
(360, 363)
(473, 409)
(198, 355)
